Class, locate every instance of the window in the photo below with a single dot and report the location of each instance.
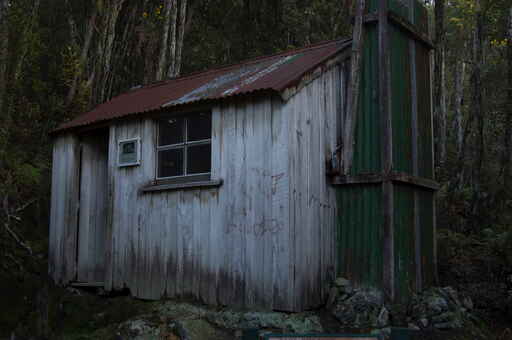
(184, 146)
(129, 152)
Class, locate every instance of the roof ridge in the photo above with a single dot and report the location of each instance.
(249, 61)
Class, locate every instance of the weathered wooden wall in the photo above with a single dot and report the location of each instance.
(265, 238)
(64, 208)
(226, 245)
(92, 218)
(313, 124)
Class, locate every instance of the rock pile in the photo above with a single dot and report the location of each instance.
(355, 310)
(439, 308)
(361, 308)
(364, 308)
(171, 320)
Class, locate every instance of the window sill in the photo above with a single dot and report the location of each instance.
(182, 186)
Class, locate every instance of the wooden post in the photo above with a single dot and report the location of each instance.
(109, 242)
(353, 95)
(387, 150)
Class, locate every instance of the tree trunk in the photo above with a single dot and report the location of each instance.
(109, 47)
(3, 10)
(162, 59)
(439, 83)
(477, 106)
(191, 8)
(109, 13)
(460, 70)
(172, 43)
(24, 46)
(72, 24)
(181, 36)
(508, 111)
(125, 53)
(89, 33)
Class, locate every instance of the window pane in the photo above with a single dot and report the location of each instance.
(199, 126)
(128, 152)
(170, 131)
(170, 163)
(199, 159)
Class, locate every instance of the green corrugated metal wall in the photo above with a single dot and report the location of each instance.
(405, 262)
(360, 223)
(359, 232)
(426, 217)
(359, 237)
(425, 153)
(367, 153)
(401, 107)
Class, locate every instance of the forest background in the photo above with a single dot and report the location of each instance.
(59, 58)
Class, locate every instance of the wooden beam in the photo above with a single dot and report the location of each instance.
(414, 180)
(398, 177)
(368, 178)
(373, 18)
(350, 122)
(182, 186)
(411, 30)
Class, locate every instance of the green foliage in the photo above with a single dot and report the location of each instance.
(462, 206)
(228, 31)
(472, 258)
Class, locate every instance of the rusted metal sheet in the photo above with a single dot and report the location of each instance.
(274, 73)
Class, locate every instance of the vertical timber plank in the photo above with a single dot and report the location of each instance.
(216, 238)
(72, 199)
(280, 207)
(109, 245)
(251, 238)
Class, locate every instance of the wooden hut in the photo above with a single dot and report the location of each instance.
(226, 185)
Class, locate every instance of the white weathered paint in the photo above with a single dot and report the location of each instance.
(64, 209)
(92, 218)
(312, 138)
(265, 238)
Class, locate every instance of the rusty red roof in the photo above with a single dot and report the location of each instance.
(275, 73)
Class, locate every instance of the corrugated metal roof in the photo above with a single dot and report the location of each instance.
(276, 72)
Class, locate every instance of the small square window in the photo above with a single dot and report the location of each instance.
(129, 153)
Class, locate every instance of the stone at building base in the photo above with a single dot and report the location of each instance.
(364, 308)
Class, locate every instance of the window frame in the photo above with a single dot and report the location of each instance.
(137, 149)
(184, 146)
